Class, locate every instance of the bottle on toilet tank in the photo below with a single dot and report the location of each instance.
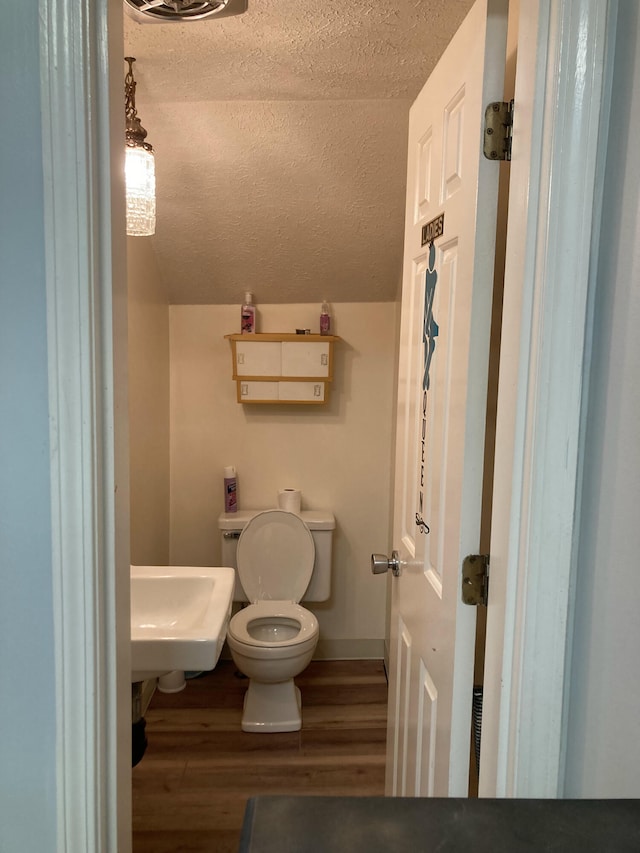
(230, 489)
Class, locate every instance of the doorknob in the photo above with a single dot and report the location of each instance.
(380, 563)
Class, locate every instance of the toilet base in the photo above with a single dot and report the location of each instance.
(272, 707)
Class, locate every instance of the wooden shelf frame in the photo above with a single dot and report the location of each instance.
(272, 382)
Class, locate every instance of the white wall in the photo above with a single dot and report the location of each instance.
(603, 748)
(339, 454)
(27, 693)
(148, 405)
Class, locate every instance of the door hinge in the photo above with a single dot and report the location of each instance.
(498, 126)
(475, 579)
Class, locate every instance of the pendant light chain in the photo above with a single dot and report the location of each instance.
(135, 132)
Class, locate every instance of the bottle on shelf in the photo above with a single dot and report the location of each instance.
(248, 315)
(325, 319)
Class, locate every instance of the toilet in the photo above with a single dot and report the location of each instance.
(281, 558)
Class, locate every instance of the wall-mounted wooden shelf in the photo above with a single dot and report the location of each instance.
(282, 368)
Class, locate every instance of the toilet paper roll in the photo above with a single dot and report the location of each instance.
(290, 499)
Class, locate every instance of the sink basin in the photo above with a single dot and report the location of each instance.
(179, 617)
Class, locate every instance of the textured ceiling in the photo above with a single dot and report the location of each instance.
(280, 140)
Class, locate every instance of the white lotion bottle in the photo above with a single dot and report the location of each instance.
(230, 489)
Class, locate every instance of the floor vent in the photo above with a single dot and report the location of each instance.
(477, 723)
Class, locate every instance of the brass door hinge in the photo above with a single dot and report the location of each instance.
(475, 579)
(498, 126)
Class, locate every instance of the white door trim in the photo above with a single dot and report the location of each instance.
(563, 68)
(541, 380)
(89, 468)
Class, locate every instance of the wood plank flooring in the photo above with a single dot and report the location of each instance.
(191, 787)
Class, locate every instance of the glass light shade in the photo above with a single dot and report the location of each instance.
(140, 179)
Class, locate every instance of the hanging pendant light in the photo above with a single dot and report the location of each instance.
(140, 174)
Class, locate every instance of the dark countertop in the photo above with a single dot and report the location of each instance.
(379, 825)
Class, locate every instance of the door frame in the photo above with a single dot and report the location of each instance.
(80, 46)
(82, 105)
(563, 79)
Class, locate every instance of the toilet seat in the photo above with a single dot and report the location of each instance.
(275, 557)
(239, 626)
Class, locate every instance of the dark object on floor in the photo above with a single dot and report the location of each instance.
(138, 741)
(381, 825)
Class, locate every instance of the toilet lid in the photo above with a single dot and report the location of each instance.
(275, 556)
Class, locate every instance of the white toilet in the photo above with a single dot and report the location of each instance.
(273, 639)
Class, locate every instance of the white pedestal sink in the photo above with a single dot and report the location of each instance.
(179, 618)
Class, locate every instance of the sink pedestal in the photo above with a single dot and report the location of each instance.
(172, 682)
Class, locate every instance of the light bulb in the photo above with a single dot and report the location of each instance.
(140, 179)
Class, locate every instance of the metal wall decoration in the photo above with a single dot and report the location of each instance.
(429, 334)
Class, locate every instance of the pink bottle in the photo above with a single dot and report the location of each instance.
(248, 315)
(325, 319)
(230, 489)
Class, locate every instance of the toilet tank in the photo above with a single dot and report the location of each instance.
(321, 523)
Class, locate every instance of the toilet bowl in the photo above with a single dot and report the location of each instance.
(273, 639)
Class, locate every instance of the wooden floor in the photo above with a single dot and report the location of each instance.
(191, 787)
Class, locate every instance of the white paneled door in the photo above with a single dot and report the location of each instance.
(444, 349)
